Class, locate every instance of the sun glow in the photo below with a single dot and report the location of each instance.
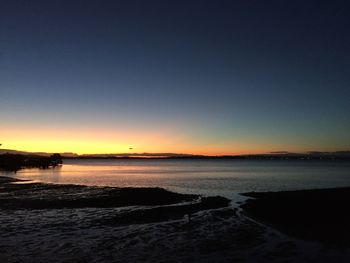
(99, 141)
(106, 140)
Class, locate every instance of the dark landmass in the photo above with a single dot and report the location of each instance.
(279, 155)
(72, 223)
(19, 194)
(10, 151)
(15, 162)
(160, 204)
(321, 214)
(340, 155)
(164, 213)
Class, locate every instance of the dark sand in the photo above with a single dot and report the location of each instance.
(322, 215)
(157, 204)
(69, 223)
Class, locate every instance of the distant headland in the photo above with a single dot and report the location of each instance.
(280, 155)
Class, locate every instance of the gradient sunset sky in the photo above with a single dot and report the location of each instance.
(202, 77)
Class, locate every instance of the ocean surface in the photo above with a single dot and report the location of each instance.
(208, 177)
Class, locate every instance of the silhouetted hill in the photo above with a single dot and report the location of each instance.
(279, 155)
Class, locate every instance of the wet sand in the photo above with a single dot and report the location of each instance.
(154, 204)
(322, 214)
(20, 194)
(70, 223)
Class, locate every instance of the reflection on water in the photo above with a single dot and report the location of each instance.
(210, 177)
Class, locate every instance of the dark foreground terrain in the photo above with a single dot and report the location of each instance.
(15, 162)
(71, 223)
(157, 204)
(322, 215)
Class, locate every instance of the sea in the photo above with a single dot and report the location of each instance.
(218, 235)
(226, 178)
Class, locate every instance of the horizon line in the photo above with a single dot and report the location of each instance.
(171, 154)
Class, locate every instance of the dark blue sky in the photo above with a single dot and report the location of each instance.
(222, 76)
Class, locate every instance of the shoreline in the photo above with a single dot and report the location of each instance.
(315, 214)
(153, 204)
(67, 223)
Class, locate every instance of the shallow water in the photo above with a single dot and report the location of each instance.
(208, 177)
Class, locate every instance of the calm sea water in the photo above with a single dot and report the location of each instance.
(208, 177)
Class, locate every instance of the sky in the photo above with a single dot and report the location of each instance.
(201, 77)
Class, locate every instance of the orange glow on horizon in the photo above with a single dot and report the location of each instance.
(99, 142)
(82, 140)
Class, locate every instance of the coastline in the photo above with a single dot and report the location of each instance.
(316, 214)
(176, 228)
(154, 204)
